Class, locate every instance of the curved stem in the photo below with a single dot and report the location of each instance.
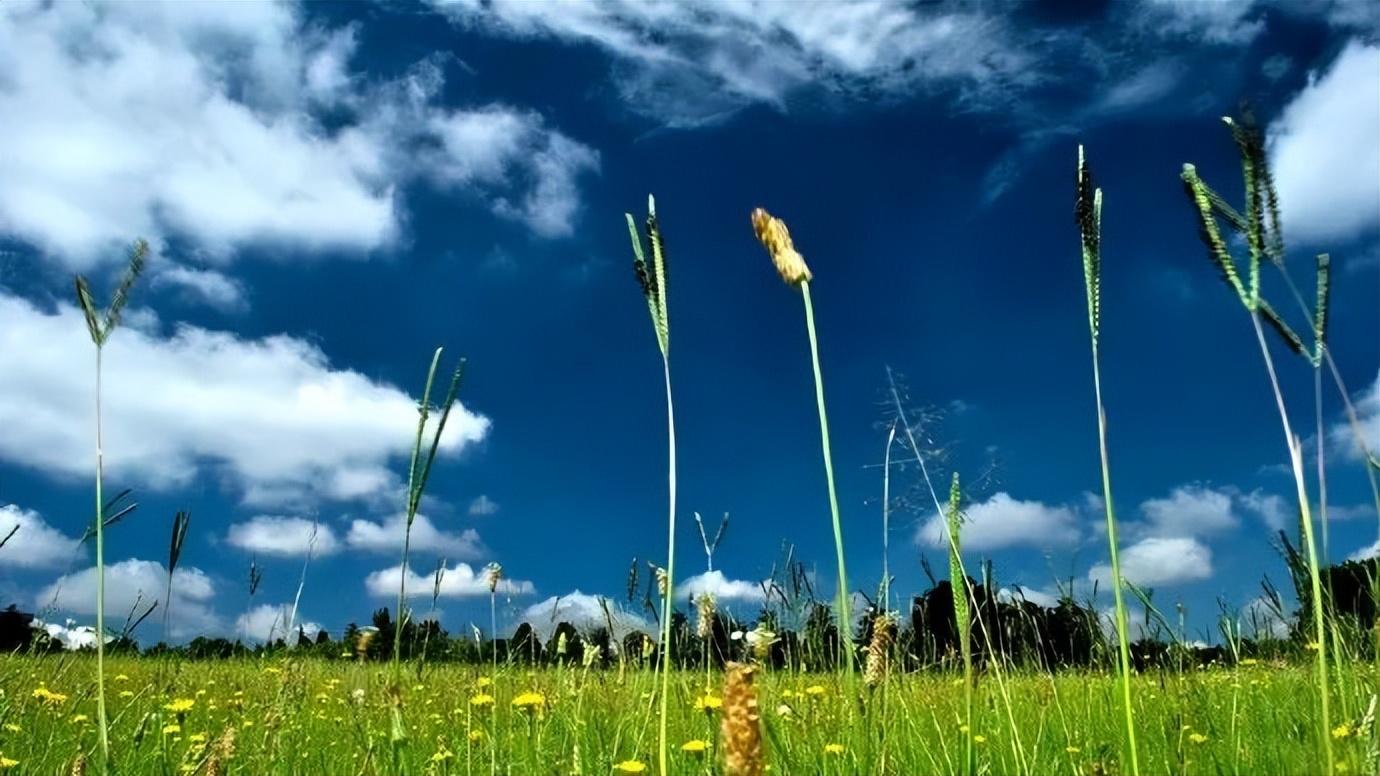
(100, 580)
(668, 607)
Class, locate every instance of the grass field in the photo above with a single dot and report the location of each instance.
(336, 717)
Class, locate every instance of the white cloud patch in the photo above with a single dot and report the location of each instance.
(1214, 21)
(1022, 593)
(1002, 521)
(1344, 437)
(1271, 508)
(143, 582)
(198, 120)
(70, 634)
(270, 417)
(1325, 152)
(387, 537)
(283, 536)
(35, 544)
(208, 286)
(1259, 619)
(1367, 552)
(586, 613)
(482, 506)
(722, 588)
(1189, 510)
(459, 581)
(270, 622)
(689, 64)
(1159, 561)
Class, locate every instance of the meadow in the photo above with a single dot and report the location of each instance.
(967, 684)
(301, 716)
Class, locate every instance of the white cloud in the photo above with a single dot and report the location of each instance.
(482, 506)
(1325, 152)
(1214, 21)
(459, 581)
(1258, 619)
(35, 544)
(268, 622)
(723, 588)
(688, 64)
(1002, 521)
(269, 416)
(585, 613)
(1367, 552)
(197, 120)
(70, 634)
(283, 536)
(1159, 561)
(1188, 510)
(215, 288)
(1020, 592)
(387, 537)
(1272, 509)
(1343, 436)
(138, 581)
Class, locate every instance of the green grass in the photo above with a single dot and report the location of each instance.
(300, 716)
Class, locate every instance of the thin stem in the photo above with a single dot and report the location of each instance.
(1306, 519)
(845, 616)
(663, 747)
(1122, 629)
(100, 579)
(886, 519)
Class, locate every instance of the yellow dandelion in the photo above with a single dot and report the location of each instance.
(13, 728)
(529, 700)
(476, 735)
(631, 766)
(979, 739)
(180, 705)
(121, 678)
(197, 738)
(77, 719)
(815, 690)
(172, 729)
(1072, 749)
(483, 682)
(1197, 738)
(483, 700)
(708, 703)
(833, 749)
(7, 762)
(1341, 731)
(695, 746)
(126, 693)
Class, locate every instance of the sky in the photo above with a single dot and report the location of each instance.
(333, 191)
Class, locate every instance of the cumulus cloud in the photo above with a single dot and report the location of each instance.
(1034, 596)
(482, 506)
(387, 537)
(35, 544)
(1343, 437)
(723, 588)
(1189, 510)
(1325, 152)
(1002, 521)
(1217, 21)
(199, 121)
(70, 634)
(207, 286)
(1271, 508)
(459, 581)
(283, 536)
(1159, 561)
(270, 417)
(268, 622)
(140, 582)
(586, 613)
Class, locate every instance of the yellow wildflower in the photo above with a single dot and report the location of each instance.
(979, 739)
(77, 719)
(180, 705)
(1072, 749)
(1249, 661)
(126, 693)
(695, 746)
(1341, 731)
(1197, 738)
(814, 690)
(7, 763)
(833, 749)
(476, 735)
(121, 678)
(630, 766)
(197, 738)
(529, 700)
(172, 729)
(13, 728)
(482, 700)
(708, 703)
(483, 682)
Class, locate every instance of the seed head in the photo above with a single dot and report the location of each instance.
(741, 730)
(879, 648)
(493, 574)
(776, 239)
(705, 607)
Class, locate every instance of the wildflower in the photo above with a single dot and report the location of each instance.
(708, 703)
(476, 735)
(529, 700)
(7, 763)
(197, 738)
(483, 682)
(121, 678)
(694, 746)
(48, 696)
(1249, 661)
(1313, 646)
(630, 766)
(814, 690)
(172, 729)
(357, 695)
(1197, 738)
(979, 739)
(784, 710)
(77, 719)
(13, 728)
(1341, 731)
(773, 235)
(126, 693)
(180, 705)
(1072, 749)
(442, 755)
(482, 700)
(833, 749)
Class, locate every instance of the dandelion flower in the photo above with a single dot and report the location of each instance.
(833, 749)
(695, 746)
(1341, 731)
(483, 682)
(1072, 749)
(77, 719)
(180, 705)
(1197, 738)
(13, 728)
(7, 762)
(708, 703)
(172, 729)
(814, 690)
(482, 700)
(630, 766)
(529, 700)
(476, 735)
(979, 739)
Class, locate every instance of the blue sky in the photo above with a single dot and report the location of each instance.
(334, 191)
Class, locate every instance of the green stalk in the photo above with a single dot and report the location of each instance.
(1089, 214)
(100, 579)
(663, 745)
(845, 616)
(958, 578)
(413, 495)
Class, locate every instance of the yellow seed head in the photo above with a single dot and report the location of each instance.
(741, 731)
(705, 608)
(771, 231)
(879, 649)
(78, 766)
